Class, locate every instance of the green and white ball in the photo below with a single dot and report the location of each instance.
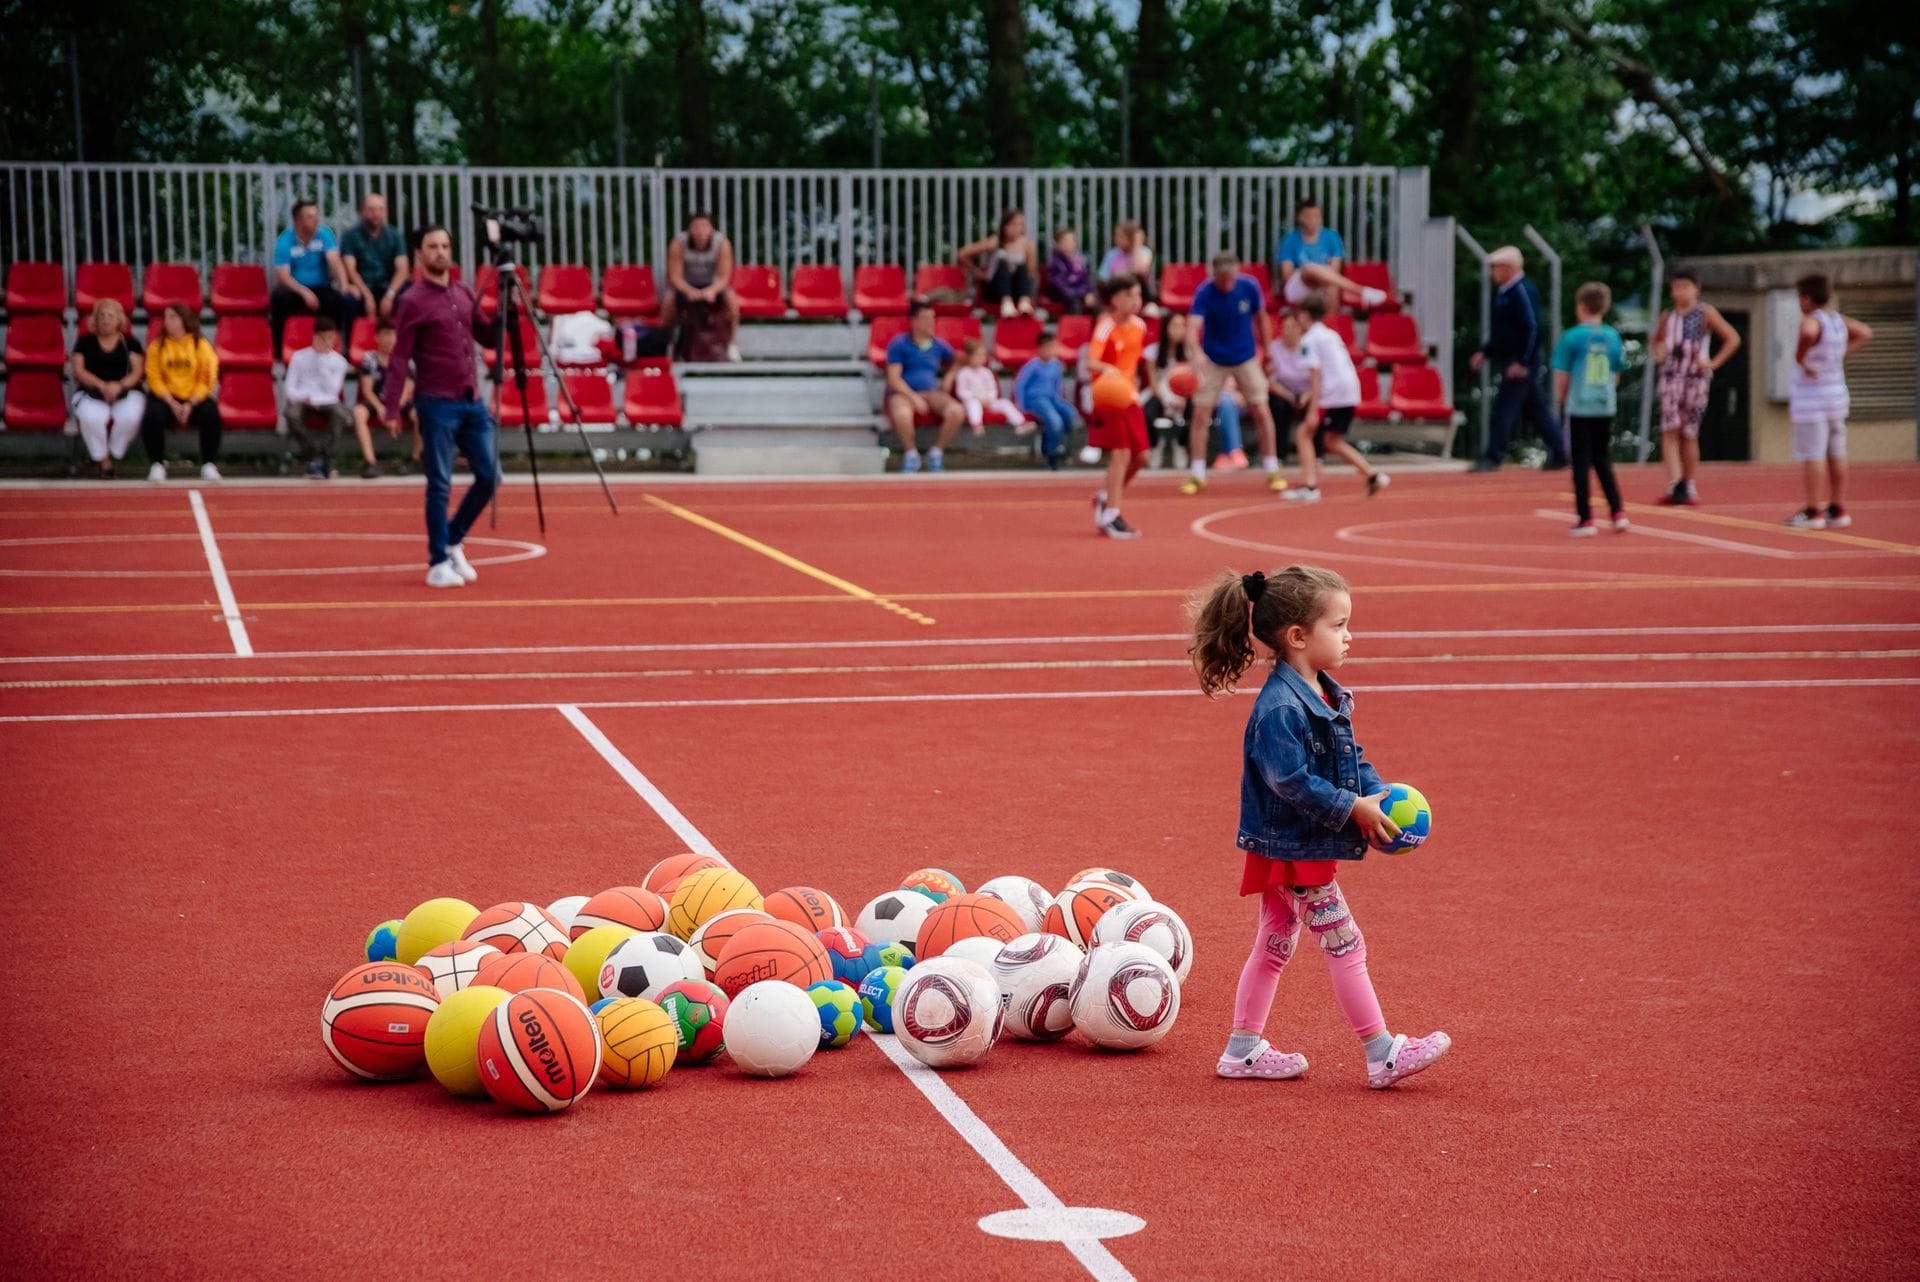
(1409, 812)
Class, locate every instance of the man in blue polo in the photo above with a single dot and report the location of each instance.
(1230, 317)
(920, 371)
(308, 276)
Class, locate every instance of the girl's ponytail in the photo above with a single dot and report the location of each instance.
(1222, 648)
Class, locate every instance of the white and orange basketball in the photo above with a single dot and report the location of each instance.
(453, 966)
(374, 1021)
(634, 907)
(804, 906)
(664, 877)
(520, 928)
(540, 1051)
(1078, 909)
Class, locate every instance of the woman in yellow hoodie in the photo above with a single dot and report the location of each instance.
(181, 373)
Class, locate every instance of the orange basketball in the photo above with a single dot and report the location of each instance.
(539, 1051)
(1182, 381)
(519, 927)
(1112, 391)
(771, 950)
(664, 876)
(634, 907)
(1076, 909)
(517, 972)
(374, 1021)
(964, 917)
(805, 906)
(717, 932)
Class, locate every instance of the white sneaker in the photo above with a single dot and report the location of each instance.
(158, 472)
(1006, 309)
(1807, 519)
(443, 575)
(1372, 297)
(1306, 494)
(457, 558)
(733, 352)
(208, 472)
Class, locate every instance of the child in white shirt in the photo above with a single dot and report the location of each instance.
(315, 385)
(1333, 393)
(979, 390)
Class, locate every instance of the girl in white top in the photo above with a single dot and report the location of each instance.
(1333, 393)
(1817, 402)
(978, 389)
(1289, 376)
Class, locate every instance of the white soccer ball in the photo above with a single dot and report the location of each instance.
(948, 1012)
(1155, 925)
(563, 909)
(642, 965)
(1131, 887)
(895, 916)
(978, 949)
(1035, 973)
(1027, 897)
(1125, 997)
(772, 1028)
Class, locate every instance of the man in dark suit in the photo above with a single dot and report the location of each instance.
(1514, 345)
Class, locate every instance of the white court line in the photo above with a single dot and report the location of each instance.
(995, 696)
(1687, 536)
(707, 647)
(229, 608)
(1026, 1186)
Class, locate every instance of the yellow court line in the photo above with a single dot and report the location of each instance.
(791, 562)
(1748, 523)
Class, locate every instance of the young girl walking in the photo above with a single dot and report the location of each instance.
(1309, 800)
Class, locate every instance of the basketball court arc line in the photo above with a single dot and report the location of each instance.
(1015, 1174)
(229, 608)
(1699, 540)
(1772, 527)
(973, 696)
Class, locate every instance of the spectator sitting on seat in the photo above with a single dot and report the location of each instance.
(978, 388)
(699, 271)
(108, 366)
(919, 381)
(576, 337)
(181, 373)
(375, 258)
(316, 412)
(1006, 264)
(1131, 257)
(1037, 390)
(374, 369)
(1067, 274)
(308, 275)
(1312, 256)
(1288, 375)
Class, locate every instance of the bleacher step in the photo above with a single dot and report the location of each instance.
(774, 399)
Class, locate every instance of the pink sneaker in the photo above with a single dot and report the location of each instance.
(1407, 1057)
(1264, 1062)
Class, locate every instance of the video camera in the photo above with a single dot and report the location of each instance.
(501, 229)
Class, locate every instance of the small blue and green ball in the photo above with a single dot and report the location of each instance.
(877, 992)
(1409, 812)
(383, 941)
(840, 1012)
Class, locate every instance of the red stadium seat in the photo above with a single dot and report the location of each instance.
(1263, 278)
(36, 401)
(819, 293)
(1071, 336)
(529, 347)
(592, 396)
(1153, 329)
(1342, 324)
(156, 330)
(239, 289)
(1178, 281)
(171, 283)
(243, 342)
(246, 400)
(296, 334)
(486, 282)
(1373, 276)
(627, 291)
(514, 412)
(95, 281)
(1373, 406)
(880, 291)
(565, 288)
(36, 287)
(1014, 341)
(955, 329)
(1394, 339)
(36, 342)
(653, 399)
(1418, 393)
(946, 276)
(883, 330)
(758, 289)
(362, 339)
(420, 273)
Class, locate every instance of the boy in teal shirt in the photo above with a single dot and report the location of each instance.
(1586, 371)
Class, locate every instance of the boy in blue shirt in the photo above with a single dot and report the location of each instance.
(1312, 256)
(1586, 372)
(1037, 391)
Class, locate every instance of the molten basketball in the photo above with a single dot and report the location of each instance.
(705, 895)
(1112, 391)
(765, 950)
(540, 1052)
(631, 906)
(711, 940)
(638, 1041)
(453, 966)
(518, 927)
(963, 917)
(517, 972)
(664, 877)
(1077, 910)
(1182, 381)
(805, 906)
(374, 1021)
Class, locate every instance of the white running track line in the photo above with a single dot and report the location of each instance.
(995, 696)
(229, 608)
(705, 647)
(1027, 1186)
(1687, 536)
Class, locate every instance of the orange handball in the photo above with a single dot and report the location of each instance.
(664, 877)
(517, 972)
(1078, 908)
(805, 906)
(1112, 391)
(1182, 381)
(966, 917)
(634, 907)
(771, 950)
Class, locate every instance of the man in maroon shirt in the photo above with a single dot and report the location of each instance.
(438, 323)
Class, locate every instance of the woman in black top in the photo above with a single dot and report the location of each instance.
(109, 366)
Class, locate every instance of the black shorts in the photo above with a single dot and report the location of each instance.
(1336, 421)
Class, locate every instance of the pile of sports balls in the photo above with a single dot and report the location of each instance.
(535, 1006)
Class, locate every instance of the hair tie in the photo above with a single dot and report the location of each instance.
(1254, 585)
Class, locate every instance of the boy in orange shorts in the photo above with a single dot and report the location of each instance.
(1118, 340)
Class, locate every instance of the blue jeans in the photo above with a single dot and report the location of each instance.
(1227, 415)
(1056, 417)
(443, 426)
(1517, 396)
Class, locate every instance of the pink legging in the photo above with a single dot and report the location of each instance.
(1323, 910)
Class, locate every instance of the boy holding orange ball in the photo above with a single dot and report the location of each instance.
(1117, 424)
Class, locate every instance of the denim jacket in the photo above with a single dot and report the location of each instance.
(1302, 772)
